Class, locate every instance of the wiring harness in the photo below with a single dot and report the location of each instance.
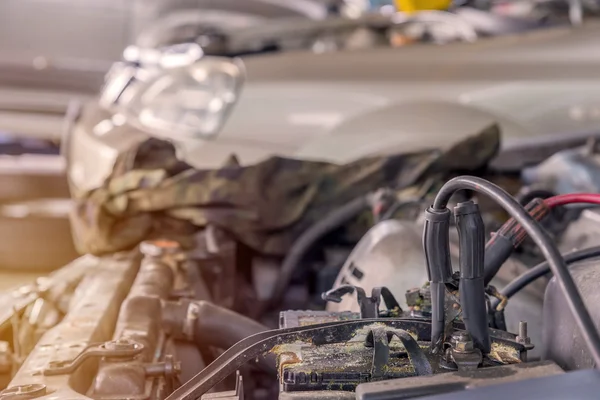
(524, 222)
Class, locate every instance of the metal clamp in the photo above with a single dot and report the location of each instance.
(369, 306)
(122, 348)
(379, 339)
(190, 320)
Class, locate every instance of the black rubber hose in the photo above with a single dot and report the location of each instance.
(303, 244)
(541, 239)
(543, 268)
(220, 327)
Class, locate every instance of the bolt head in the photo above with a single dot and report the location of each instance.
(461, 342)
(464, 347)
(23, 392)
(120, 344)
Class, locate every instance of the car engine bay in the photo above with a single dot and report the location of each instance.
(300, 200)
(385, 318)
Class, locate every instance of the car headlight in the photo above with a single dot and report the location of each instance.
(192, 101)
(177, 95)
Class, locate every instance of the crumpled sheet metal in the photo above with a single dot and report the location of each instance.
(151, 193)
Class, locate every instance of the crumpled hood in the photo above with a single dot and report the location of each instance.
(342, 106)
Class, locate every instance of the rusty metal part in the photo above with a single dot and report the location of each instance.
(118, 380)
(411, 386)
(185, 350)
(169, 369)
(116, 349)
(139, 316)
(503, 300)
(463, 352)
(37, 318)
(140, 321)
(52, 287)
(6, 358)
(325, 338)
(187, 283)
(461, 342)
(90, 319)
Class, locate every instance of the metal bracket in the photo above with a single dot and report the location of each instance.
(379, 339)
(369, 306)
(117, 349)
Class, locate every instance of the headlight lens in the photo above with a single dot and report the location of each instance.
(182, 93)
(193, 101)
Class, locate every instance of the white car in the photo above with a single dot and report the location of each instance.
(345, 105)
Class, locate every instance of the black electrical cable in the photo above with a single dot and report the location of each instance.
(543, 268)
(304, 243)
(541, 239)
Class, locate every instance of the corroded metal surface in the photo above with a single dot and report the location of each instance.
(52, 286)
(91, 318)
(139, 320)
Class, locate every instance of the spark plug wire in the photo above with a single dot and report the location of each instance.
(542, 240)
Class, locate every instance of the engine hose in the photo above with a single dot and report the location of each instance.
(209, 325)
(220, 327)
(304, 243)
(543, 268)
(542, 240)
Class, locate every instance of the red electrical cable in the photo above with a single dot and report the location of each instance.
(572, 198)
